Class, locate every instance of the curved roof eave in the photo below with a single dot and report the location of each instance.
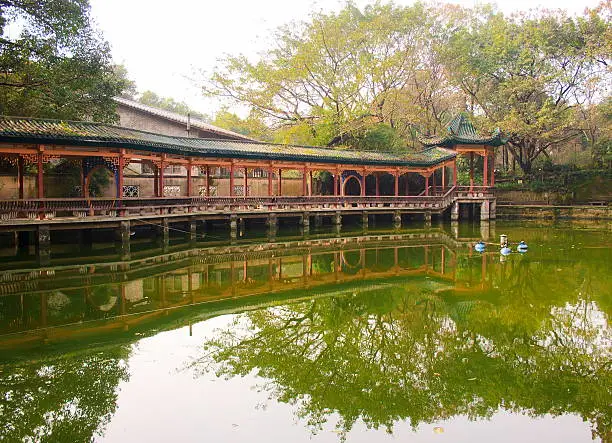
(20, 130)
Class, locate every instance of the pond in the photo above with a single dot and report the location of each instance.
(381, 336)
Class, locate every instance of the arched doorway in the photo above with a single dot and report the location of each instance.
(352, 186)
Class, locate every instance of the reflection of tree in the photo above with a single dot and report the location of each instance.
(64, 398)
(388, 356)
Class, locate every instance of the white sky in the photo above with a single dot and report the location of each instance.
(163, 43)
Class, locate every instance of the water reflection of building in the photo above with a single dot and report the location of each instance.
(142, 288)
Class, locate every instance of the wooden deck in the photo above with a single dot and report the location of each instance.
(76, 211)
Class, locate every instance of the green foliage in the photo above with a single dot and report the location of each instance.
(332, 78)
(368, 78)
(527, 74)
(408, 352)
(379, 137)
(65, 398)
(252, 126)
(150, 98)
(56, 65)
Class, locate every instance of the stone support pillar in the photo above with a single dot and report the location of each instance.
(364, 220)
(43, 245)
(485, 230)
(164, 234)
(233, 221)
(305, 222)
(397, 219)
(193, 231)
(455, 211)
(484, 210)
(427, 218)
(123, 240)
(493, 210)
(337, 218)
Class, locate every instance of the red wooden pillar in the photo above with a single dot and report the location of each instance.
(39, 181)
(443, 177)
(246, 182)
(433, 181)
(120, 176)
(304, 182)
(155, 182)
(363, 182)
(20, 169)
(471, 170)
(493, 170)
(396, 183)
(231, 184)
(377, 178)
(427, 185)
(270, 173)
(207, 181)
(485, 171)
(336, 182)
(189, 184)
(310, 185)
(407, 185)
(161, 178)
(455, 172)
(280, 182)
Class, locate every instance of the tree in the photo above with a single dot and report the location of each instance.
(150, 98)
(130, 91)
(534, 344)
(252, 126)
(330, 80)
(56, 65)
(527, 75)
(69, 397)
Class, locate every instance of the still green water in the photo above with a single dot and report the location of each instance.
(404, 336)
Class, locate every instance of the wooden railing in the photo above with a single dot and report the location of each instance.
(112, 207)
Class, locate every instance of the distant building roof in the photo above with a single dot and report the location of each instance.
(29, 130)
(179, 118)
(461, 131)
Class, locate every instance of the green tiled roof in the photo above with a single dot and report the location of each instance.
(461, 131)
(28, 130)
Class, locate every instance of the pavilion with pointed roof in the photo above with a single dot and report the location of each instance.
(462, 137)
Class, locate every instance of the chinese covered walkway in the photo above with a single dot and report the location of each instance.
(332, 181)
